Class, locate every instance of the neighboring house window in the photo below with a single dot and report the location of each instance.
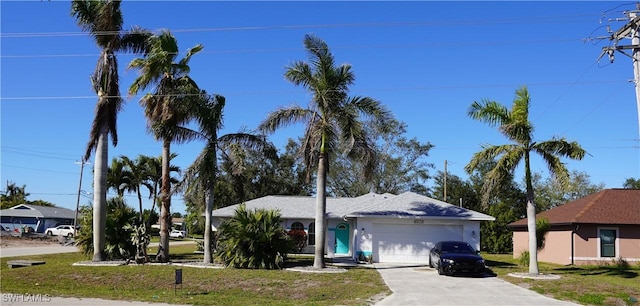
(607, 242)
(297, 226)
(312, 233)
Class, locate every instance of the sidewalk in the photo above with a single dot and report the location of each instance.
(12, 299)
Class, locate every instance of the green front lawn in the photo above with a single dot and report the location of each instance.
(155, 283)
(589, 285)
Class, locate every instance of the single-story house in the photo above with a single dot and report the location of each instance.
(387, 227)
(603, 226)
(37, 217)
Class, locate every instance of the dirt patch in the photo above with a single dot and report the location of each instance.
(16, 242)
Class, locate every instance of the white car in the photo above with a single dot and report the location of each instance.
(61, 230)
(177, 234)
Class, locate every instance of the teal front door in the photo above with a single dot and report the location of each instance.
(342, 239)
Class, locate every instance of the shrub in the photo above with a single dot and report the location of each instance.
(524, 258)
(542, 227)
(118, 230)
(253, 239)
(299, 239)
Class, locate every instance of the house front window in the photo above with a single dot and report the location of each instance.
(312, 233)
(297, 226)
(607, 239)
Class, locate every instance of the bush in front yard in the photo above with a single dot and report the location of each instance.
(299, 239)
(253, 239)
(118, 230)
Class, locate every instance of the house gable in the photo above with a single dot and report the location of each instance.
(577, 229)
(609, 206)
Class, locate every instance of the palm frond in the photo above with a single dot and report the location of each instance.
(562, 147)
(490, 112)
(284, 117)
(190, 52)
(135, 40)
(487, 154)
(300, 73)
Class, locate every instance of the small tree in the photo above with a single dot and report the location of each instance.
(299, 239)
(253, 239)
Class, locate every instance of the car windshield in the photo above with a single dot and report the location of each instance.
(460, 248)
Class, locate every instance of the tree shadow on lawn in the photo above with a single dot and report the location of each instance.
(498, 264)
(599, 270)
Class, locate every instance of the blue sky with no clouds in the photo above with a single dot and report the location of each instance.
(426, 61)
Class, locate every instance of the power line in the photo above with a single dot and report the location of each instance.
(524, 20)
(35, 169)
(565, 91)
(576, 122)
(377, 89)
(34, 153)
(382, 46)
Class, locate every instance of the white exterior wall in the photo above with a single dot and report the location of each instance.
(361, 239)
(470, 232)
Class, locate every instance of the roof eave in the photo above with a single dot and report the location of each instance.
(421, 217)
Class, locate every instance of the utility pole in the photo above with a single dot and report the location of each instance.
(82, 162)
(630, 30)
(445, 180)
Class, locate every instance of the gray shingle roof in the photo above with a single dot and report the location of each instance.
(28, 210)
(406, 205)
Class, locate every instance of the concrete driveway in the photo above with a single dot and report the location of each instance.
(421, 285)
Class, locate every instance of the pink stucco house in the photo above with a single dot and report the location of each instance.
(603, 226)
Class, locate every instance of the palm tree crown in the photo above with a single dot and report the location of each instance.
(103, 20)
(333, 121)
(167, 108)
(515, 125)
(201, 175)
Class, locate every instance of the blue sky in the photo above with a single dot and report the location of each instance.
(426, 61)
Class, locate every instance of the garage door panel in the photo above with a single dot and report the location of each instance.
(410, 242)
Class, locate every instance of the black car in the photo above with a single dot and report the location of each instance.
(456, 257)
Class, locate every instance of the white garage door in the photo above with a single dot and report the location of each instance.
(409, 242)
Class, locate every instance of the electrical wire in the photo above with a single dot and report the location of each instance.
(565, 91)
(389, 46)
(35, 153)
(377, 89)
(520, 20)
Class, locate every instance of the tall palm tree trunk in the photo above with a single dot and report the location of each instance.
(140, 204)
(321, 207)
(165, 197)
(100, 195)
(531, 219)
(207, 225)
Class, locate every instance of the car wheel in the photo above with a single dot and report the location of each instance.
(440, 271)
(49, 233)
(70, 235)
(430, 263)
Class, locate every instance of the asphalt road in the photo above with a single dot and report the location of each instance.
(36, 250)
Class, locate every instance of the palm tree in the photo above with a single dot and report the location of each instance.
(202, 173)
(154, 166)
(117, 177)
(515, 125)
(103, 20)
(333, 118)
(137, 175)
(166, 109)
(15, 193)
